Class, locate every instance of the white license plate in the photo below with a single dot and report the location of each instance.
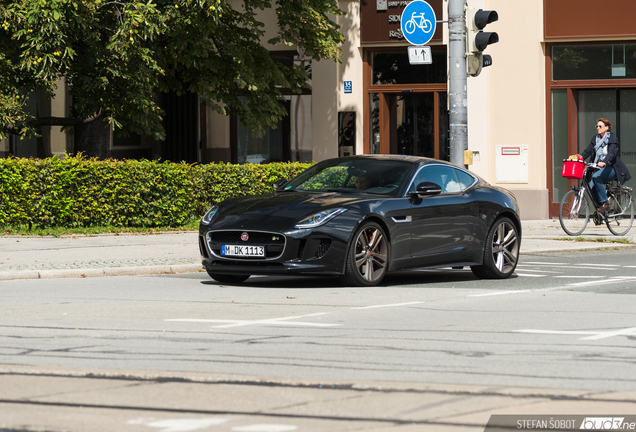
(243, 251)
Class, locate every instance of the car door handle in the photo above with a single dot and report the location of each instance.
(402, 219)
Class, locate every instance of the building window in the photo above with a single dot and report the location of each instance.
(593, 62)
(291, 140)
(394, 68)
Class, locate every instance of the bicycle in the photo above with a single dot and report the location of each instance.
(417, 21)
(574, 212)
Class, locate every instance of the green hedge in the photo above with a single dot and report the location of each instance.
(80, 192)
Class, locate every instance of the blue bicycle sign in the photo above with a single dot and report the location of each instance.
(418, 22)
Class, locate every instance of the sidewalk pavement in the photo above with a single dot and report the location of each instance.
(26, 257)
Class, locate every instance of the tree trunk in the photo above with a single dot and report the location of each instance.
(93, 139)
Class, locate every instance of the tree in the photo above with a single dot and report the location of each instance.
(116, 56)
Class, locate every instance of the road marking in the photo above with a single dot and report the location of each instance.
(602, 282)
(270, 321)
(546, 263)
(499, 293)
(388, 305)
(177, 425)
(595, 268)
(598, 265)
(579, 277)
(529, 275)
(531, 270)
(265, 428)
(595, 335)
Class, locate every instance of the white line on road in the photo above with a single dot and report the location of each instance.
(538, 271)
(598, 265)
(601, 282)
(388, 305)
(270, 321)
(595, 335)
(578, 277)
(546, 263)
(265, 428)
(529, 275)
(499, 293)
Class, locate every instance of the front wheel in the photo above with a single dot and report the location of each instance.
(409, 27)
(368, 256)
(228, 278)
(501, 251)
(574, 213)
(620, 215)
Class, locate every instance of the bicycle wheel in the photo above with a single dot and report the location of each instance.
(574, 212)
(620, 215)
(409, 27)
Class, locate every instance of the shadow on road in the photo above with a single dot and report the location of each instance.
(402, 278)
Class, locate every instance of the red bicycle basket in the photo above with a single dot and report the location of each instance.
(573, 169)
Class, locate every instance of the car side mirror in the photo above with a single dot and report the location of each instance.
(427, 189)
(279, 184)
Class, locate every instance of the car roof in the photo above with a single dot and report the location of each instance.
(406, 158)
(415, 160)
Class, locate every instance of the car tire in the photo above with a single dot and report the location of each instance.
(368, 256)
(228, 278)
(501, 251)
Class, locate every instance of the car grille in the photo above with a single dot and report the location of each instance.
(274, 242)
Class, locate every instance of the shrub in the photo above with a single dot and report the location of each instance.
(80, 192)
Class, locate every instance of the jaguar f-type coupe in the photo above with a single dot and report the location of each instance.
(360, 217)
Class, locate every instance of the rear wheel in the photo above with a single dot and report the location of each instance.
(228, 278)
(620, 215)
(574, 212)
(501, 251)
(368, 256)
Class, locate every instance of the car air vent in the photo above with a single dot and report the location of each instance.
(202, 248)
(323, 248)
(301, 249)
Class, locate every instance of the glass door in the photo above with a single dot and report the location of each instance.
(412, 124)
(415, 123)
(574, 123)
(619, 107)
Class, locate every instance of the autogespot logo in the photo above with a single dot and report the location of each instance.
(561, 423)
(606, 423)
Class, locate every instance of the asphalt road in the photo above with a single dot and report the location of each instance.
(427, 350)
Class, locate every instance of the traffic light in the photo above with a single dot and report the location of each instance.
(477, 40)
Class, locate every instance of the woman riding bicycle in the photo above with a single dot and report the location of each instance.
(604, 149)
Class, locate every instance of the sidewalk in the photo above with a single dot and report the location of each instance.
(124, 254)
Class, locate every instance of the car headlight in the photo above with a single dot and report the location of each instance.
(320, 218)
(209, 215)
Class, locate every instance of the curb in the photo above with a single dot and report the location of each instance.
(99, 272)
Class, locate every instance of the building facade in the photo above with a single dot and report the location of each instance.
(558, 66)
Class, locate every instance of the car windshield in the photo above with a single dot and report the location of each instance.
(384, 177)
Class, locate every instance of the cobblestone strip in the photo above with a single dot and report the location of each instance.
(100, 264)
(97, 268)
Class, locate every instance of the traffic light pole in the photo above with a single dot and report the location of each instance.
(457, 77)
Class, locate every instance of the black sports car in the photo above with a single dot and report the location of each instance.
(360, 217)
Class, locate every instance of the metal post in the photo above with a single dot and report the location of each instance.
(457, 96)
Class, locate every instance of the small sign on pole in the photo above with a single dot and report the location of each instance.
(420, 55)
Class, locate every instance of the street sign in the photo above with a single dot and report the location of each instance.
(420, 55)
(418, 22)
(348, 86)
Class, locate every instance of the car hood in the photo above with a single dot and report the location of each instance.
(279, 211)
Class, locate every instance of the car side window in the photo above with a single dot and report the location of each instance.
(443, 176)
(465, 179)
